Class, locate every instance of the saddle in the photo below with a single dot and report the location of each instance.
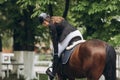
(68, 51)
(66, 55)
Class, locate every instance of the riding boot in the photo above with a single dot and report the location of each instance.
(52, 73)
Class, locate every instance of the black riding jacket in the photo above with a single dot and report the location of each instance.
(58, 32)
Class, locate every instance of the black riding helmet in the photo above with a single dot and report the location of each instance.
(42, 17)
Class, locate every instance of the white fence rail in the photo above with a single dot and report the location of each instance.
(118, 63)
(41, 69)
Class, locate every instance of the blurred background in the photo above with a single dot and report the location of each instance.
(25, 46)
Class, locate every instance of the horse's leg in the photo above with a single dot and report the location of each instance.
(94, 75)
(92, 78)
(64, 78)
(59, 77)
(101, 78)
(95, 72)
(71, 78)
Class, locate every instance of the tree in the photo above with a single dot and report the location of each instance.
(48, 6)
(66, 8)
(98, 17)
(20, 24)
(7, 21)
(93, 16)
(24, 32)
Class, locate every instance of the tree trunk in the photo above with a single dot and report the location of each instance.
(50, 9)
(29, 72)
(24, 42)
(19, 59)
(66, 8)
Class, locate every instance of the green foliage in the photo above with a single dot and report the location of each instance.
(41, 34)
(39, 5)
(98, 18)
(7, 40)
(7, 14)
(115, 40)
(1, 1)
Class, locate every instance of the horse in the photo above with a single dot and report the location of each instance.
(89, 59)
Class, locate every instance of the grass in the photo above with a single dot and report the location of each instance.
(41, 77)
(45, 57)
(45, 77)
(13, 77)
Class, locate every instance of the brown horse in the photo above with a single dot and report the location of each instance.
(90, 60)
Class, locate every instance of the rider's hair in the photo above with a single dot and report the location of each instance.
(55, 19)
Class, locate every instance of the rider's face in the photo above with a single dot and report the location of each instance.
(45, 23)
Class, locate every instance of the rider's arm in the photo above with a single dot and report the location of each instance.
(54, 37)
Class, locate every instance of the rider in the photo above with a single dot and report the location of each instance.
(62, 33)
